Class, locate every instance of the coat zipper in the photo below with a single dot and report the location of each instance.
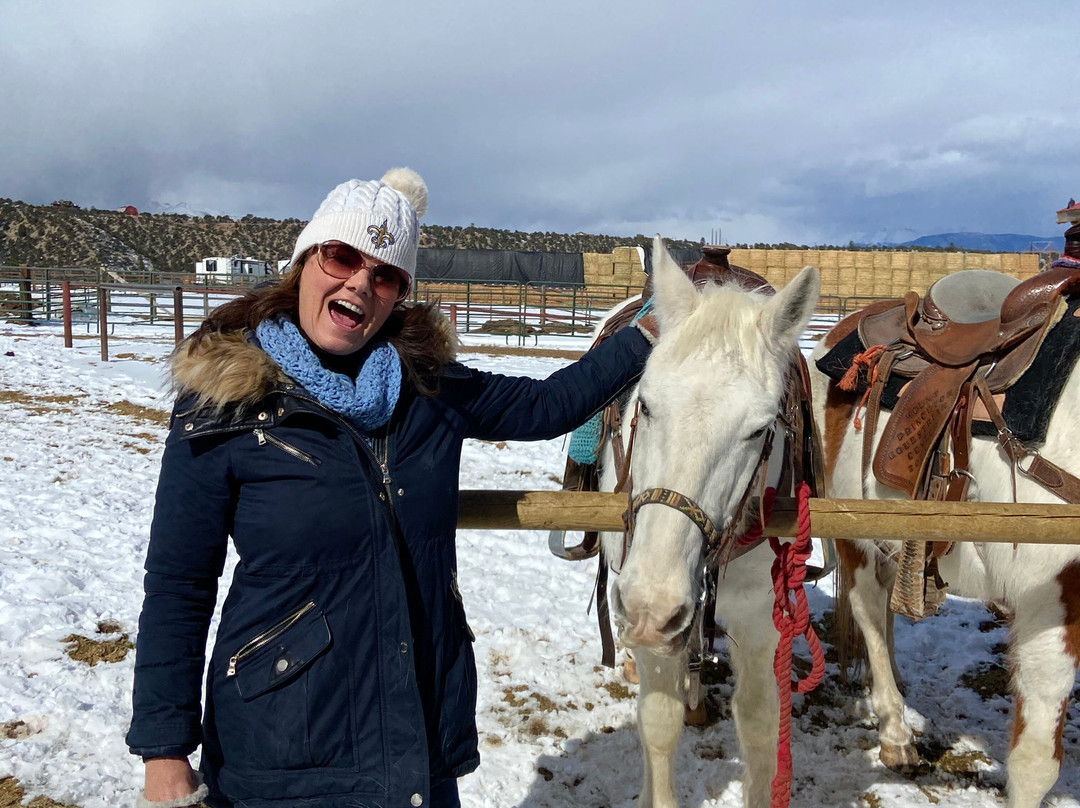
(359, 439)
(267, 636)
(265, 437)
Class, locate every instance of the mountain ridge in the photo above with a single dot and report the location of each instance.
(989, 242)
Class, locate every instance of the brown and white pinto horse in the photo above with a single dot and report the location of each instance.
(1039, 584)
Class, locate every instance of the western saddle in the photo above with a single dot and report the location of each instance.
(966, 341)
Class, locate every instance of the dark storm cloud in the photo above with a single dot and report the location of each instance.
(770, 121)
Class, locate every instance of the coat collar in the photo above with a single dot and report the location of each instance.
(223, 369)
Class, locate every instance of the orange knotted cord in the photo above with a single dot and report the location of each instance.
(850, 380)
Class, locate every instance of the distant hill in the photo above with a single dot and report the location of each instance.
(65, 235)
(988, 242)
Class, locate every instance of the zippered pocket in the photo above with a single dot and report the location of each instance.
(279, 653)
(264, 437)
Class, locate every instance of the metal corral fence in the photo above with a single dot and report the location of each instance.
(104, 299)
(100, 301)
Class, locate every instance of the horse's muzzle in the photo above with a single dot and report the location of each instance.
(661, 629)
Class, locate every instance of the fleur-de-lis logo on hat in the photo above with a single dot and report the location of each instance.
(381, 236)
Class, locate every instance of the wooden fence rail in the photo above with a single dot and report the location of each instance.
(830, 518)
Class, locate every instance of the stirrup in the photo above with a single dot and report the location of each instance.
(918, 591)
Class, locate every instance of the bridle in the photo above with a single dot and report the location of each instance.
(799, 462)
(718, 545)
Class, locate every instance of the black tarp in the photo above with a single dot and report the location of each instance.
(681, 255)
(551, 268)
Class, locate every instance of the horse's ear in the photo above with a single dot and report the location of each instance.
(788, 312)
(675, 295)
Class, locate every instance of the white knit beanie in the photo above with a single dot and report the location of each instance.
(377, 217)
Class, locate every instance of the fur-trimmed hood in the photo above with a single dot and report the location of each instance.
(228, 368)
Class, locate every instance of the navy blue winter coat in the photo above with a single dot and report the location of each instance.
(343, 670)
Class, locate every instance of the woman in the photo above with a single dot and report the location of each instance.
(319, 423)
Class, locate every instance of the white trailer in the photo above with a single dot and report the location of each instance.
(233, 265)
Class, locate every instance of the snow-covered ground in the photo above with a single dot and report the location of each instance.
(80, 443)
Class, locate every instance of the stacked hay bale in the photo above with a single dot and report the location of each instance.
(878, 274)
(613, 276)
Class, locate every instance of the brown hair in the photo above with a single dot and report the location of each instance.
(422, 336)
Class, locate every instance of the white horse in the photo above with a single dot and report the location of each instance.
(710, 393)
(1038, 583)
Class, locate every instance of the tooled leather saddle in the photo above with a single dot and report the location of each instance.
(956, 351)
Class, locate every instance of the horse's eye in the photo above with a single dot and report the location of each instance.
(758, 433)
(643, 408)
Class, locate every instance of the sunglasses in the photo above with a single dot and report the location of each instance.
(342, 262)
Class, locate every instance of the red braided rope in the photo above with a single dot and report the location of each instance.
(791, 616)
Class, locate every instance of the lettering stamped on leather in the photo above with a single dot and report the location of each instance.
(916, 425)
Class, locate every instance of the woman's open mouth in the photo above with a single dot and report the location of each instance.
(345, 315)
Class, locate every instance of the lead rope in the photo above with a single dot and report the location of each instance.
(791, 616)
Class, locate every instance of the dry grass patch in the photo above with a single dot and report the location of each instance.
(988, 679)
(45, 404)
(543, 703)
(16, 730)
(138, 411)
(511, 699)
(154, 440)
(871, 800)
(617, 690)
(968, 762)
(537, 727)
(527, 712)
(507, 350)
(92, 651)
(38, 404)
(708, 750)
(12, 794)
(930, 796)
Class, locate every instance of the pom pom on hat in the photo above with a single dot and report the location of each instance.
(409, 184)
(377, 217)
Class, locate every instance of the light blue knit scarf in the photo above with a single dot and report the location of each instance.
(368, 402)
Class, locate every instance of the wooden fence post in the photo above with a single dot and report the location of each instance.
(178, 314)
(103, 321)
(67, 314)
(24, 300)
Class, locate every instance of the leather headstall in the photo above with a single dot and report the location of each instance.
(718, 545)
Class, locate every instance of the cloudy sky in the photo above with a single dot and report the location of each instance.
(772, 120)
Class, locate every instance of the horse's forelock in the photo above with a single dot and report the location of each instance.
(726, 323)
